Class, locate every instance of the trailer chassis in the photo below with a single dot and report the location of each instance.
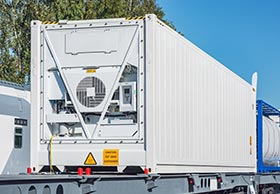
(140, 184)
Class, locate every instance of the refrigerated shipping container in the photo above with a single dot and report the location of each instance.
(133, 92)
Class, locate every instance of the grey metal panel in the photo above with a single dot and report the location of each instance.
(102, 46)
(14, 106)
(86, 42)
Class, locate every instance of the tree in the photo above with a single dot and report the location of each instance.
(16, 15)
(15, 37)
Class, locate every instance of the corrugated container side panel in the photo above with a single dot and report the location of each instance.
(200, 112)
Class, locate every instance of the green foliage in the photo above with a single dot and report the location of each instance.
(16, 15)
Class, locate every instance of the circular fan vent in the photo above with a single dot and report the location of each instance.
(90, 92)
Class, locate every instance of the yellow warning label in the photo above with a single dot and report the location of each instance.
(90, 70)
(90, 160)
(111, 157)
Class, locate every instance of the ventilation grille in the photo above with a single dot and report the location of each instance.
(91, 92)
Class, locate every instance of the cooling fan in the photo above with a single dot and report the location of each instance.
(90, 92)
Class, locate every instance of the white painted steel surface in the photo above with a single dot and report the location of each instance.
(271, 141)
(200, 115)
(14, 103)
(197, 116)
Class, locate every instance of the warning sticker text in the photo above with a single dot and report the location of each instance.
(111, 157)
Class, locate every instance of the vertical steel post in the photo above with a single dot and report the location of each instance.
(260, 137)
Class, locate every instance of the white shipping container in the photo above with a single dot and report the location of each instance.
(137, 92)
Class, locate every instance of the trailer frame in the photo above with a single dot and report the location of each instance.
(263, 108)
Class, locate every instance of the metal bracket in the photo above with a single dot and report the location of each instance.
(150, 182)
(87, 184)
(252, 189)
(88, 188)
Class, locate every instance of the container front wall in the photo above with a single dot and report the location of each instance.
(200, 115)
(83, 68)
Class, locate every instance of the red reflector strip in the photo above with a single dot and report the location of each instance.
(146, 171)
(219, 179)
(29, 170)
(80, 171)
(88, 171)
(191, 181)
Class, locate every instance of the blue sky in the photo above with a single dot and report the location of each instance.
(244, 35)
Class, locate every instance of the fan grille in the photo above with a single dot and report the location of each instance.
(97, 94)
